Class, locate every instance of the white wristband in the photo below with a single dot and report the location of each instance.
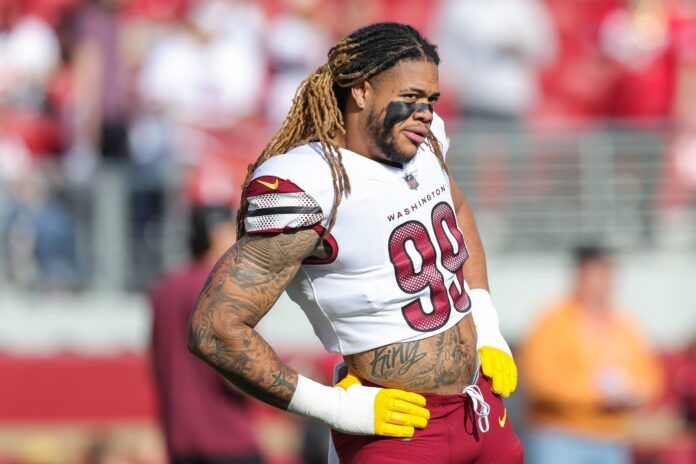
(312, 399)
(482, 307)
(486, 320)
(349, 411)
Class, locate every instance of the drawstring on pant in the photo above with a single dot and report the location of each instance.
(480, 407)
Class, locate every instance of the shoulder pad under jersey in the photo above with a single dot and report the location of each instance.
(289, 191)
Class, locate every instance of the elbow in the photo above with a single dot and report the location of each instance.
(208, 334)
(197, 336)
(193, 346)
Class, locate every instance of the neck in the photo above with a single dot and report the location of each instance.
(340, 140)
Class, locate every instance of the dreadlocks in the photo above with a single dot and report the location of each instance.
(315, 115)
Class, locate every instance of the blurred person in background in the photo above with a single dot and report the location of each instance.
(29, 58)
(99, 91)
(653, 42)
(684, 379)
(205, 420)
(652, 46)
(296, 43)
(203, 75)
(492, 52)
(578, 84)
(29, 54)
(40, 237)
(586, 367)
(685, 383)
(192, 78)
(344, 16)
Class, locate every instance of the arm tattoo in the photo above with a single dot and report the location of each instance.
(240, 290)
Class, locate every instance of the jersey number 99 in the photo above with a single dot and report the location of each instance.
(429, 276)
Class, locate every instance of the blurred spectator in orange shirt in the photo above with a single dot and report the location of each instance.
(587, 367)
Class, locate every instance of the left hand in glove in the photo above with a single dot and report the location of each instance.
(496, 358)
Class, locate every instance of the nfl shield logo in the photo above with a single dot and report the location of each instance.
(411, 181)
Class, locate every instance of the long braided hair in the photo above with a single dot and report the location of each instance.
(316, 112)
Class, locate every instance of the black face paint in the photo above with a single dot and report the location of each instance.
(381, 130)
(398, 111)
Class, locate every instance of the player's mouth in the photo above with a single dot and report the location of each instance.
(416, 135)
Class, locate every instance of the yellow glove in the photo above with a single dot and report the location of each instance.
(496, 358)
(349, 380)
(500, 368)
(397, 413)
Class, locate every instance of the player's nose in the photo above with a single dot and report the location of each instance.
(423, 113)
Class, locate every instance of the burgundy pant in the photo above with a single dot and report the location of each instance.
(452, 436)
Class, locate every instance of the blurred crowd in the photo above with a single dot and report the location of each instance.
(201, 84)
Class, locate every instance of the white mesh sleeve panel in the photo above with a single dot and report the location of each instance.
(277, 212)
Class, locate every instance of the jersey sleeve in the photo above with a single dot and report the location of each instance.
(437, 127)
(288, 193)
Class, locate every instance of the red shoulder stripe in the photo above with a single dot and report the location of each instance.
(270, 184)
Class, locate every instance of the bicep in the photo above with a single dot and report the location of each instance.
(457, 194)
(475, 271)
(464, 214)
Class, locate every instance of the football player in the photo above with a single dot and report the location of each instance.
(351, 209)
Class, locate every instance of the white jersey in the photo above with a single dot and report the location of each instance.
(395, 269)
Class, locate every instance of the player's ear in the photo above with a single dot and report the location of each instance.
(359, 93)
